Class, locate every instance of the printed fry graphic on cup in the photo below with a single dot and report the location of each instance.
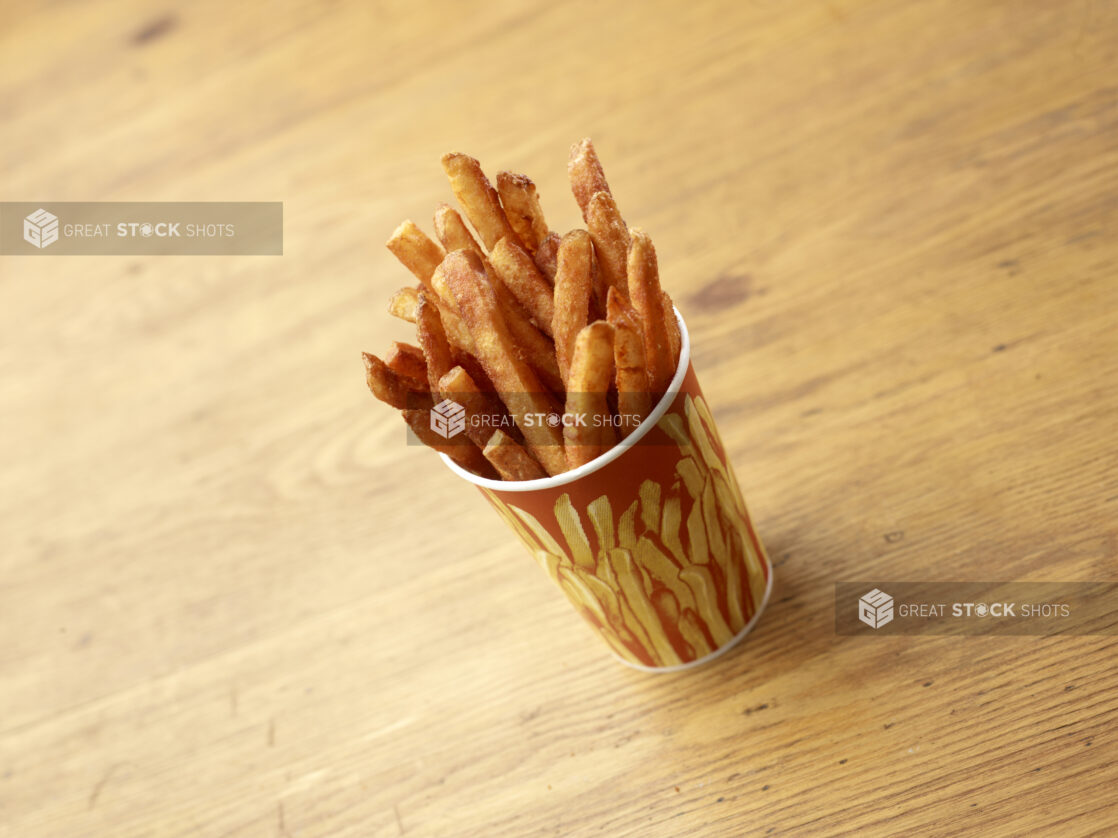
(554, 373)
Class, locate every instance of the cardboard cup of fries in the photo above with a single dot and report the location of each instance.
(554, 373)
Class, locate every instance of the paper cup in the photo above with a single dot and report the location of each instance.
(650, 542)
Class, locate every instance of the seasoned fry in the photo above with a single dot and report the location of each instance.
(522, 208)
(408, 361)
(463, 452)
(572, 296)
(432, 340)
(516, 270)
(633, 400)
(403, 303)
(451, 230)
(415, 251)
(546, 254)
(611, 241)
(518, 384)
(483, 409)
(478, 198)
(585, 173)
(510, 459)
(392, 388)
(586, 430)
(671, 327)
(644, 290)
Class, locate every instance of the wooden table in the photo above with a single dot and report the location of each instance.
(234, 603)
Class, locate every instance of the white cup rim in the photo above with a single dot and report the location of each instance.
(605, 459)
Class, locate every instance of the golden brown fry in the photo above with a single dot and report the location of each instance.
(408, 361)
(402, 304)
(572, 296)
(478, 198)
(515, 380)
(585, 172)
(611, 241)
(484, 410)
(671, 327)
(546, 254)
(462, 451)
(644, 290)
(432, 340)
(516, 270)
(510, 458)
(392, 388)
(452, 231)
(522, 208)
(415, 251)
(586, 419)
(633, 400)
(533, 347)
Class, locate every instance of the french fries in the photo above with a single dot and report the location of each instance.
(575, 263)
(408, 361)
(546, 255)
(534, 353)
(587, 431)
(525, 326)
(585, 173)
(432, 341)
(520, 275)
(611, 242)
(403, 303)
(478, 198)
(518, 385)
(510, 459)
(392, 388)
(522, 208)
(644, 289)
(633, 400)
(415, 251)
(459, 386)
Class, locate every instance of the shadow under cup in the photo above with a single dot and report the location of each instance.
(650, 542)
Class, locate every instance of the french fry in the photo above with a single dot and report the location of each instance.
(459, 386)
(611, 242)
(533, 346)
(415, 251)
(403, 303)
(671, 327)
(478, 198)
(586, 430)
(518, 384)
(633, 400)
(408, 361)
(432, 340)
(572, 296)
(644, 290)
(465, 453)
(546, 255)
(451, 230)
(517, 272)
(522, 208)
(585, 173)
(510, 459)
(392, 388)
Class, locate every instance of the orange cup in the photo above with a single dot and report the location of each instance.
(651, 542)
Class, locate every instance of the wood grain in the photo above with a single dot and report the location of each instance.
(234, 603)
